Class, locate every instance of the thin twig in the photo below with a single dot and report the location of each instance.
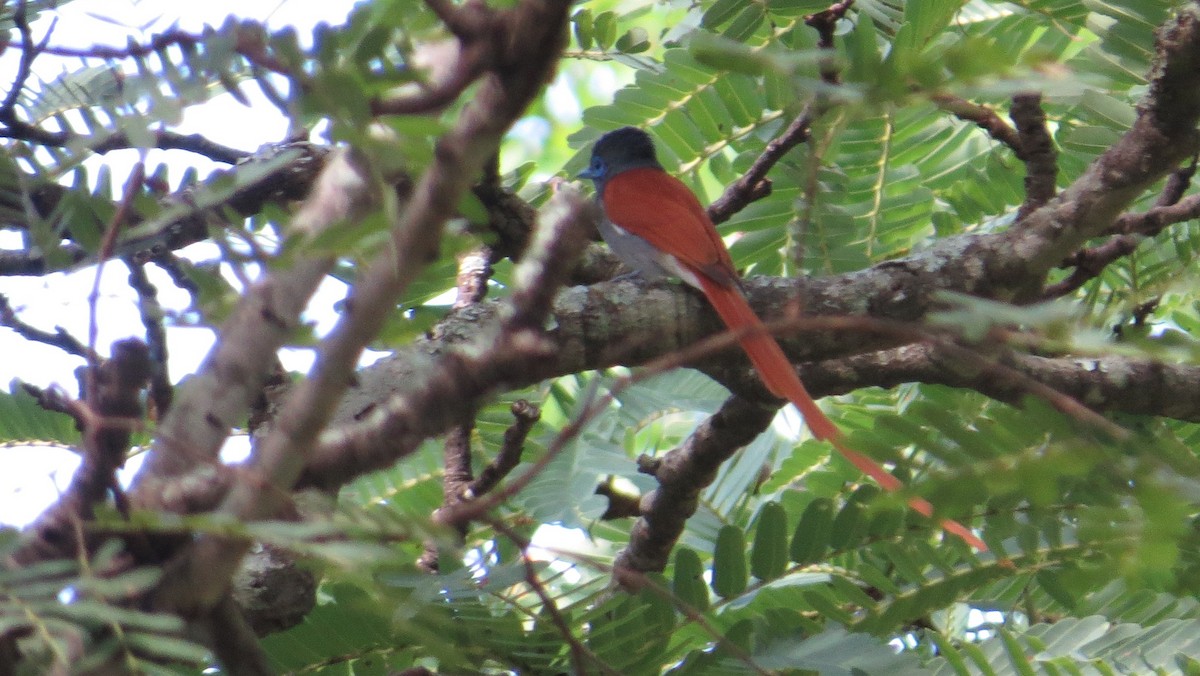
(1036, 151)
(58, 338)
(753, 184)
(1131, 229)
(247, 34)
(151, 312)
(456, 475)
(277, 99)
(174, 266)
(580, 653)
(526, 415)
(8, 109)
(1177, 184)
(983, 117)
(162, 139)
(132, 186)
(55, 399)
(825, 23)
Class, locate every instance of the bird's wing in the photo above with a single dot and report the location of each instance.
(659, 208)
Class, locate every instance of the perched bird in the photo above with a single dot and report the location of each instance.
(658, 227)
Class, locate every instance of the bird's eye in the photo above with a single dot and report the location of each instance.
(597, 165)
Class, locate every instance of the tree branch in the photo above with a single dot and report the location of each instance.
(58, 338)
(8, 108)
(232, 374)
(983, 117)
(682, 474)
(456, 475)
(151, 312)
(1036, 150)
(1163, 134)
(754, 184)
(1111, 384)
(247, 38)
(526, 416)
(518, 349)
(527, 51)
(1089, 262)
(112, 409)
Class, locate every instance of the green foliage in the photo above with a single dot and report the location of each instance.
(1076, 645)
(22, 420)
(71, 614)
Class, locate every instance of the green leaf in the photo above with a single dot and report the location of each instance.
(634, 41)
(729, 576)
(814, 532)
(582, 22)
(850, 523)
(22, 419)
(720, 12)
(688, 583)
(747, 21)
(865, 58)
(769, 554)
(605, 27)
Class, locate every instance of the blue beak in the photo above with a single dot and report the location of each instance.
(589, 174)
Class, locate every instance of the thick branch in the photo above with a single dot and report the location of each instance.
(1105, 384)
(1163, 135)
(527, 50)
(516, 349)
(629, 324)
(682, 474)
(1109, 384)
(220, 395)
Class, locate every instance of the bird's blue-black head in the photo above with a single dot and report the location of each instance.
(617, 151)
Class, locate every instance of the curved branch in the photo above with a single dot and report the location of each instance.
(682, 474)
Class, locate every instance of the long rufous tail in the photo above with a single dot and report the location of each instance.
(777, 373)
